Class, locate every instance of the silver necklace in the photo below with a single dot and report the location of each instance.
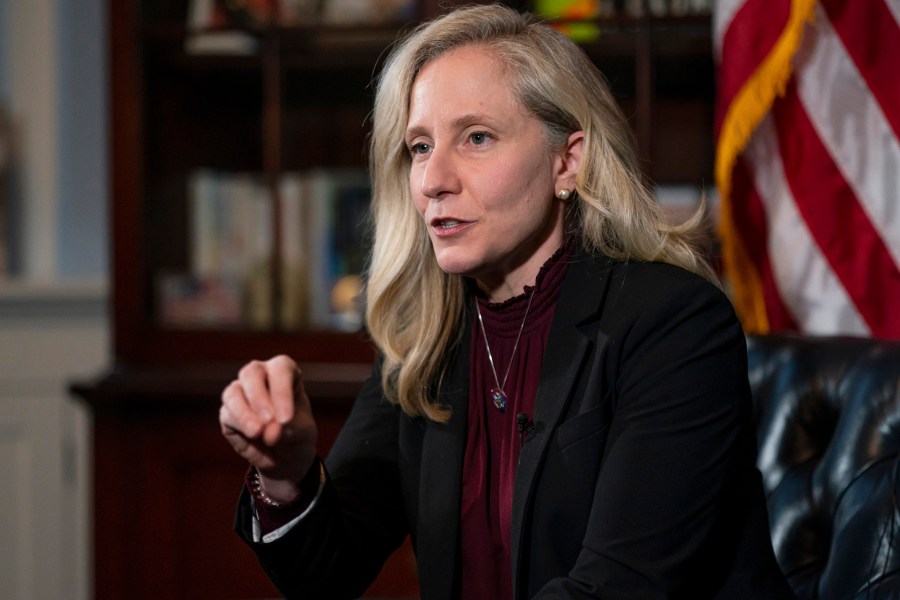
(498, 394)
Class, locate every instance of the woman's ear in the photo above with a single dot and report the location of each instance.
(568, 160)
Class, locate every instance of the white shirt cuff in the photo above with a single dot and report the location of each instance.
(284, 529)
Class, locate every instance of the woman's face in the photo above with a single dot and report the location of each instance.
(482, 175)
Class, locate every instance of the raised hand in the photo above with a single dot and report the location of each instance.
(267, 418)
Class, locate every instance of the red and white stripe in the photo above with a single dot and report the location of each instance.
(815, 192)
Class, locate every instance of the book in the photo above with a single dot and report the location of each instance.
(578, 16)
(295, 253)
(367, 12)
(337, 205)
(230, 241)
(211, 31)
(190, 301)
(323, 247)
(5, 153)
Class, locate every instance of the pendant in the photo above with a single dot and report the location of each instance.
(498, 397)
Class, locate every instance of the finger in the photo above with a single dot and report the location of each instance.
(247, 448)
(284, 376)
(231, 430)
(240, 417)
(254, 380)
(240, 443)
(274, 432)
(301, 399)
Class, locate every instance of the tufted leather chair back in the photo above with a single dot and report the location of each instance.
(828, 417)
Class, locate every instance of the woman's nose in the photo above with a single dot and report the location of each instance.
(439, 177)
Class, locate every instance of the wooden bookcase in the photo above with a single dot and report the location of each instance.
(165, 482)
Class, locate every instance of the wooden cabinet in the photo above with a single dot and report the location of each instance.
(166, 485)
(276, 102)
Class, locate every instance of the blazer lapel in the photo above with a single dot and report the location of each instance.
(443, 447)
(572, 336)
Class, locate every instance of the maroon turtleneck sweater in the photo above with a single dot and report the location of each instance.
(493, 438)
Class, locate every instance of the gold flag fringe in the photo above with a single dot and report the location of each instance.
(743, 116)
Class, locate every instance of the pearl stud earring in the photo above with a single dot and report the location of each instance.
(564, 194)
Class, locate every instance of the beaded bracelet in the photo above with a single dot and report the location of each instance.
(255, 485)
(309, 487)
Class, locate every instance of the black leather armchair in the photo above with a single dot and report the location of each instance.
(828, 415)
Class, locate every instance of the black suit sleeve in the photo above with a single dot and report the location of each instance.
(338, 549)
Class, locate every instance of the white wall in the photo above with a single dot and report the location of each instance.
(53, 85)
(53, 305)
(48, 338)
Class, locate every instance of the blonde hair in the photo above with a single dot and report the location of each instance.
(414, 310)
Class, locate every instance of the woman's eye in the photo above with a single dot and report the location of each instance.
(420, 148)
(479, 138)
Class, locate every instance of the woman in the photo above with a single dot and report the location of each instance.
(560, 407)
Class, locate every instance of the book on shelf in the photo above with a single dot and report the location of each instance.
(578, 13)
(192, 301)
(257, 14)
(324, 247)
(266, 13)
(295, 270)
(668, 8)
(5, 157)
(229, 279)
(4, 240)
(680, 202)
(226, 26)
(213, 31)
(367, 12)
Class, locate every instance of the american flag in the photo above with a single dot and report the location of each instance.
(808, 163)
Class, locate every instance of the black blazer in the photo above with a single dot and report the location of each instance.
(638, 479)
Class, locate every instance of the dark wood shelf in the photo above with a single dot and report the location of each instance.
(188, 386)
